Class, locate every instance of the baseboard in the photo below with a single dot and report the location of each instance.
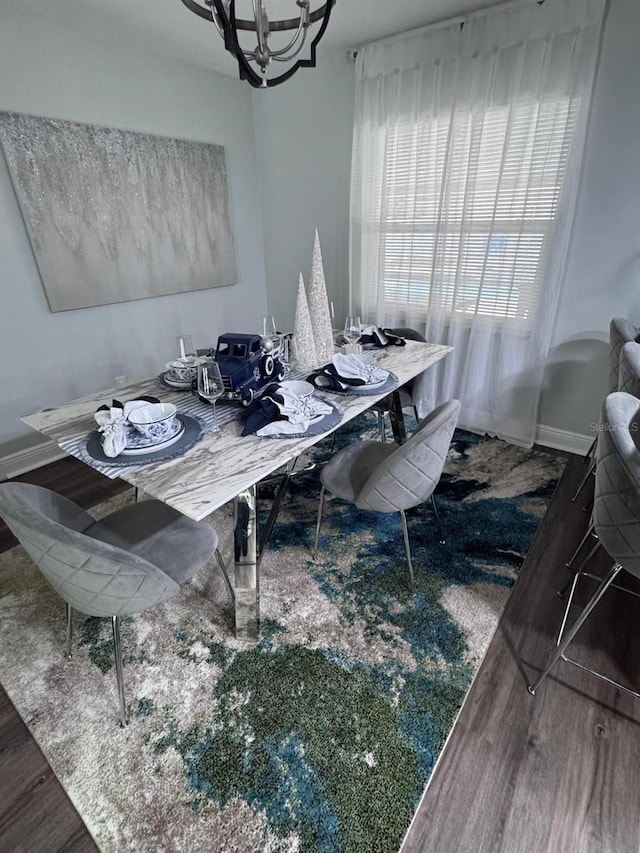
(27, 460)
(560, 439)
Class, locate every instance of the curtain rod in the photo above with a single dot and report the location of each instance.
(352, 53)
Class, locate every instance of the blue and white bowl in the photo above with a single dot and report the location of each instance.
(155, 420)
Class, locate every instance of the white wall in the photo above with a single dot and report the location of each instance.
(603, 270)
(60, 74)
(303, 148)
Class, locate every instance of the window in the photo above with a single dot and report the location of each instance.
(468, 206)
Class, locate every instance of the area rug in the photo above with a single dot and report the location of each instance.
(322, 736)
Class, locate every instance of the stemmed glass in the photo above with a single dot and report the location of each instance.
(210, 386)
(352, 329)
(269, 327)
(185, 347)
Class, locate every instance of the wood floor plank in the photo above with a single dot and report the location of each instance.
(558, 771)
(36, 815)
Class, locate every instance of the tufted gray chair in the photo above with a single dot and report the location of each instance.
(629, 382)
(389, 477)
(621, 332)
(120, 565)
(616, 516)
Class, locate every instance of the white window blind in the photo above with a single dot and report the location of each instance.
(468, 204)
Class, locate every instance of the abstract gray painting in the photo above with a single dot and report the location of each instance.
(114, 215)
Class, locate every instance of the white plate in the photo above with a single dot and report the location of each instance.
(132, 450)
(173, 380)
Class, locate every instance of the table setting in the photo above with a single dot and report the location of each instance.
(354, 374)
(290, 409)
(140, 431)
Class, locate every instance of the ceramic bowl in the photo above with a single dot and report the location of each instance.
(184, 369)
(298, 386)
(155, 420)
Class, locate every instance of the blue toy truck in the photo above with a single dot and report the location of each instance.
(247, 363)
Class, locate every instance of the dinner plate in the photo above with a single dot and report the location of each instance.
(389, 384)
(173, 382)
(134, 447)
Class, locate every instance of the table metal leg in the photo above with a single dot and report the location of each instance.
(246, 583)
(396, 417)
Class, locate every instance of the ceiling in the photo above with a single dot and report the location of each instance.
(168, 28)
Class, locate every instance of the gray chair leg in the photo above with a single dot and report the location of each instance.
(323, 492)
(438, 522)
(115, 624)
(590, 532)
(407, 546)
(585, 479)
(69, 629)
(563, 641)
(225, 575)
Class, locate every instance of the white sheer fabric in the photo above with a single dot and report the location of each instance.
(467, 146)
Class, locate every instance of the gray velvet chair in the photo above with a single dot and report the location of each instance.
(616, 518)
(120, 565)
(384, 477)
(621, 332)
(628, 381)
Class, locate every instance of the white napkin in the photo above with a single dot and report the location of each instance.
(113, 426)
(298, 411)
(354, 366)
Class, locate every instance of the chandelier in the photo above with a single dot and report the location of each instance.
(255, 63)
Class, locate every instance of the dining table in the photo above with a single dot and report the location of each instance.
(223, 466)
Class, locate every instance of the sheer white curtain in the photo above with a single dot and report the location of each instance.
(467, 148)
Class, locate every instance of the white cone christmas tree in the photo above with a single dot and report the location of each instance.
(319, 306)
(304, 347)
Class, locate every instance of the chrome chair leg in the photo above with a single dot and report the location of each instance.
(69, 629)
(591, 451)
(115, 624)
(405, 531)
(323, 492)
(563, 641)
(438, 522)
(590, 532)
(585, 479)
(225, 575)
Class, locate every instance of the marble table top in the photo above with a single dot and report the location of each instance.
(221, 465)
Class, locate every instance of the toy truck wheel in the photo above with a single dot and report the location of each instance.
(281, 373)
(247, 397)
(268, 366)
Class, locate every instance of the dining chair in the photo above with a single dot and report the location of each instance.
(127, 562)
(383, 477)
(629, 382)
(616, 519)
(621, 332)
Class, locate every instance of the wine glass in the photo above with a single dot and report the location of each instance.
(210, 386)
(185, 347)
(269, 327)
(352, 329)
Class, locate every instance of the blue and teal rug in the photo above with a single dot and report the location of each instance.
(323, 736)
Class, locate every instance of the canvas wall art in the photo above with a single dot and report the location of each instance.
(114, 215)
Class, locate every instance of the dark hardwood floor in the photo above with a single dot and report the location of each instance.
(556, 772)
